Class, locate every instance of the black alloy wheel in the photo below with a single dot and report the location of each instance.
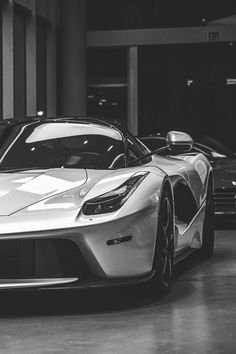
(164, 251)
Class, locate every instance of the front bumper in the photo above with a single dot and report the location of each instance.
(225, 202)
(80, 257)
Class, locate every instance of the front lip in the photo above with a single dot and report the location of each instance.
(95, 283)
(6, 284)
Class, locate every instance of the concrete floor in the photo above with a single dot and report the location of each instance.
(199, 316)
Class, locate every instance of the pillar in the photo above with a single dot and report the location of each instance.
(31, 61)
(52, 61)
(8, 59)
(72, 58)
(133, 89)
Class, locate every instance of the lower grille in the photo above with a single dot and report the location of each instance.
(17, 258)
(225, 199)
(41, 258)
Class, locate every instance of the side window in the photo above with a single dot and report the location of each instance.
(5, 132)
(143, 147)
(134, 151)
(130, 151)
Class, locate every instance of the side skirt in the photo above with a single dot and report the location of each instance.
(179, 256)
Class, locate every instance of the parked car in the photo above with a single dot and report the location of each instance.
(85, 204)
(223, 161)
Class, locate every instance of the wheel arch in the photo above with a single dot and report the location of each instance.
(210, 180)
(162, 263)
(166, 185)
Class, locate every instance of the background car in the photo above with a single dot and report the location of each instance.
(223, 161)
(84, 204)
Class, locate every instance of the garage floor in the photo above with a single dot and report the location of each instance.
(199, 316)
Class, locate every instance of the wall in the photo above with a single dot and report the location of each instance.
(28, 57)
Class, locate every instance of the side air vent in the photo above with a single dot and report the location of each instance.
(213, 36)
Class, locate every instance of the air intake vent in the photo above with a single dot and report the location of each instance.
(213, 36)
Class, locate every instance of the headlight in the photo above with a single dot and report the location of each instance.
(113, 200)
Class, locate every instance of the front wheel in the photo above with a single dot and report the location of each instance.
(164, 250)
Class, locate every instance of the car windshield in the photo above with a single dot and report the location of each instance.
(62, 145)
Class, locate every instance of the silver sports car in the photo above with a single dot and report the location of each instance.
(85, 204)
(223, 162)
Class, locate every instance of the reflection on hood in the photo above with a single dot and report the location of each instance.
(19, 190)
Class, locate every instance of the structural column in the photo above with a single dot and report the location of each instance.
(72, 58)
(52, 60)
(133, 89)
(8, 59)
(31, 61)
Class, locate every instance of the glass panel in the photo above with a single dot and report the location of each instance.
(19, 63)
(63, 145)
(178, 92)
(107, 66)
(107, 83)
(108, 102)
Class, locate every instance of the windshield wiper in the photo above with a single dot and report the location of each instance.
(147, 155)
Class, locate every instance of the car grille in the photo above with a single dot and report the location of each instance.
(225, 199)
(12, 259)
(41, 258)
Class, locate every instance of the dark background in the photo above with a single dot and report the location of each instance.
(190, 87)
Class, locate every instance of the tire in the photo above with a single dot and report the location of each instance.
(208, 232)
(164, 250)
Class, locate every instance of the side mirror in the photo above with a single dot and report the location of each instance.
(179, 141)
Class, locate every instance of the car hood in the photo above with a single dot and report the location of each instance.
(21, 189)
(224, 170)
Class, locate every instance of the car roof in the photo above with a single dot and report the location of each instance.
(160, 137)
(68, 118)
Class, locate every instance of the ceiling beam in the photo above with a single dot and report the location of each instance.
(141, 37)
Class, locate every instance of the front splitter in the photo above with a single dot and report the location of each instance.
(51, 284)
(6, 284)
